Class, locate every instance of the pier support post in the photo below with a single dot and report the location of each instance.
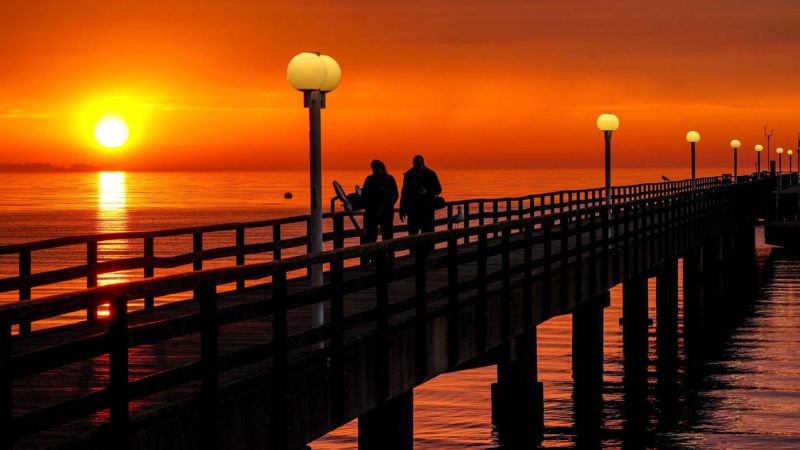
(744, 267)
(667, 340)
(517, 397)
(667, 315)
(713, 280)
(390, 426)
(692, 299)
(635, 323)
(587, 366)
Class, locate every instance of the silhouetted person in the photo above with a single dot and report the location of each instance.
(379, 196)
(420, 186)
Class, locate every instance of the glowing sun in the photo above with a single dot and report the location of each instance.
(111, 132)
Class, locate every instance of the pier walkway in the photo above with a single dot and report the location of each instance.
(234, 362)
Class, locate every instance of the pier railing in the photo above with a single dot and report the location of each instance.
(673, 218)
(477, 212)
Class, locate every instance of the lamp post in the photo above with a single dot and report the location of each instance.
(790, 152)
(779, 151)
(759, 148)
(608, 123)
(735, 144)
(314, 75)
(693, 137)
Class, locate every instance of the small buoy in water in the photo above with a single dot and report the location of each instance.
(288, 195)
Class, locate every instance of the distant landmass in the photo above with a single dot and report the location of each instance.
(47, 167)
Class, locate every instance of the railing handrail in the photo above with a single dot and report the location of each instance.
(74, 301)
(231, 226)
(167, 232)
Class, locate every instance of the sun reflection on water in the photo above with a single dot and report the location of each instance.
(111, 193)
(112, 217)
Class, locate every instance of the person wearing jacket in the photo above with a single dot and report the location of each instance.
(379, 196)
(420, 187)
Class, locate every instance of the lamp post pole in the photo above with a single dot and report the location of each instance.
(789, 152)
(315, 104)
(694, 183)
(607, 134)
(314, 75)
(735, 144)
(693, 137)
(758, 148)
(608, 123)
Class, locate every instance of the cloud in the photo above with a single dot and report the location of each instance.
(25, 114)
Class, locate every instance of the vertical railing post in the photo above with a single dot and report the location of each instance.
(382, 308)
(453, 352)
(149, 271)
(653, 214)
(505, 297)
(564, 257)
(495, 213)
(592, 215)
(206, 293)
(6, 443)
(578, 258)
(276, 241)
(466, 221)
(480, 334)
(627, 236)
(91, 275)
(240, 257)
(421, 300)
(118, 370)
(25, 286)
(547, 267)
(197, 248)
(449, 216)
(337, 339)
(279, 423)
(481, 213)
(527, 289)
(338, 231)
(509, 212)
(542, 206)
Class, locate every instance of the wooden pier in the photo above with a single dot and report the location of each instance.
(235, 363)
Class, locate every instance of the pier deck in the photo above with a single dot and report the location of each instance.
(243, 367)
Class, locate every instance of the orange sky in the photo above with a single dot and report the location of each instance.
(506, 83)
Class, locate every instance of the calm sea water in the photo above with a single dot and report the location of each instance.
(744, 394)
